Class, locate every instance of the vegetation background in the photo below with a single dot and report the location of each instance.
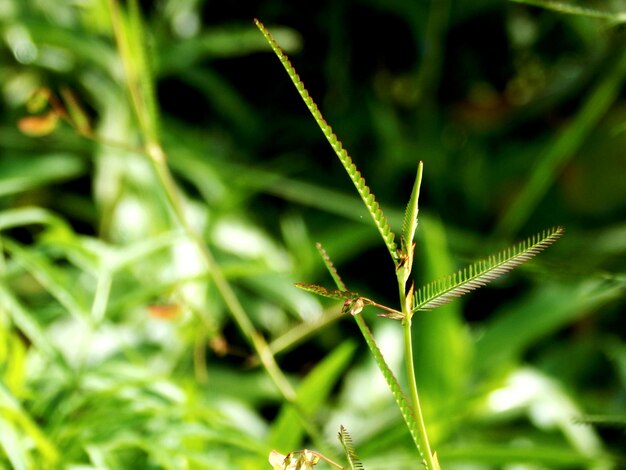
(118, 351)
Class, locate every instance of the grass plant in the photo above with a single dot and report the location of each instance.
(161, 194)
(428, 297)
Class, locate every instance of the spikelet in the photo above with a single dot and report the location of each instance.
(357, 179)
(348, 448)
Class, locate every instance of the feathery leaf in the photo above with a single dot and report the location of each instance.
(348, 448)
(445, 290)
(357, 179)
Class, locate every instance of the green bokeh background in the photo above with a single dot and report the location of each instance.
(518, 115)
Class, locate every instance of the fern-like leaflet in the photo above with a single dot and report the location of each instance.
(443, 291)
(348, 448)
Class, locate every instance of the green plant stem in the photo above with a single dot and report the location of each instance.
(416, 430)
(157, 157)
(258, 343)
(417, 409)
(422, 435)
(394, 386)
(159, 161)
(254, 338)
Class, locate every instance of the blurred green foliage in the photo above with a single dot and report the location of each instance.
(116, 349)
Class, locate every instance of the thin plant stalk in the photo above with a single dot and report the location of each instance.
(401, 400)
(427, 455)
(158, 159)
(403, 271)
(415, 428)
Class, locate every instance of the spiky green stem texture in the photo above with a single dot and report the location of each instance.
(357, 179)
(398, 395)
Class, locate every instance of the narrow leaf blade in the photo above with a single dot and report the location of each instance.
(571, 9)
(330, 293)
(443, 291)
(409, 225)
(287, 430)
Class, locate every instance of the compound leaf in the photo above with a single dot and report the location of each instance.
(445, 290)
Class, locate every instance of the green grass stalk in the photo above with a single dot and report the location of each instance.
(158, 159)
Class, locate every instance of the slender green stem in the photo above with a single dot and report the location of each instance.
(254, 338)
(406, 304)
(158, 159)
(260, 346)
(422, 435)
(429, 461)
(394, 386)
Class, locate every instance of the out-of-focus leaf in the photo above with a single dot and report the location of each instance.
(38, 101)
(222, 42)
(13, 365)
(18, 175)
(572, 9)
(29, 216)
(77, 114)
(11, 444)
(563, 147)
(485, 454)
(287, 431)
(83, 48)
(24, 320)
(56, 281)
(224, 99)
(617, 352)
(547, 405)
(14, 411)
(40, 125)
(519, 325)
